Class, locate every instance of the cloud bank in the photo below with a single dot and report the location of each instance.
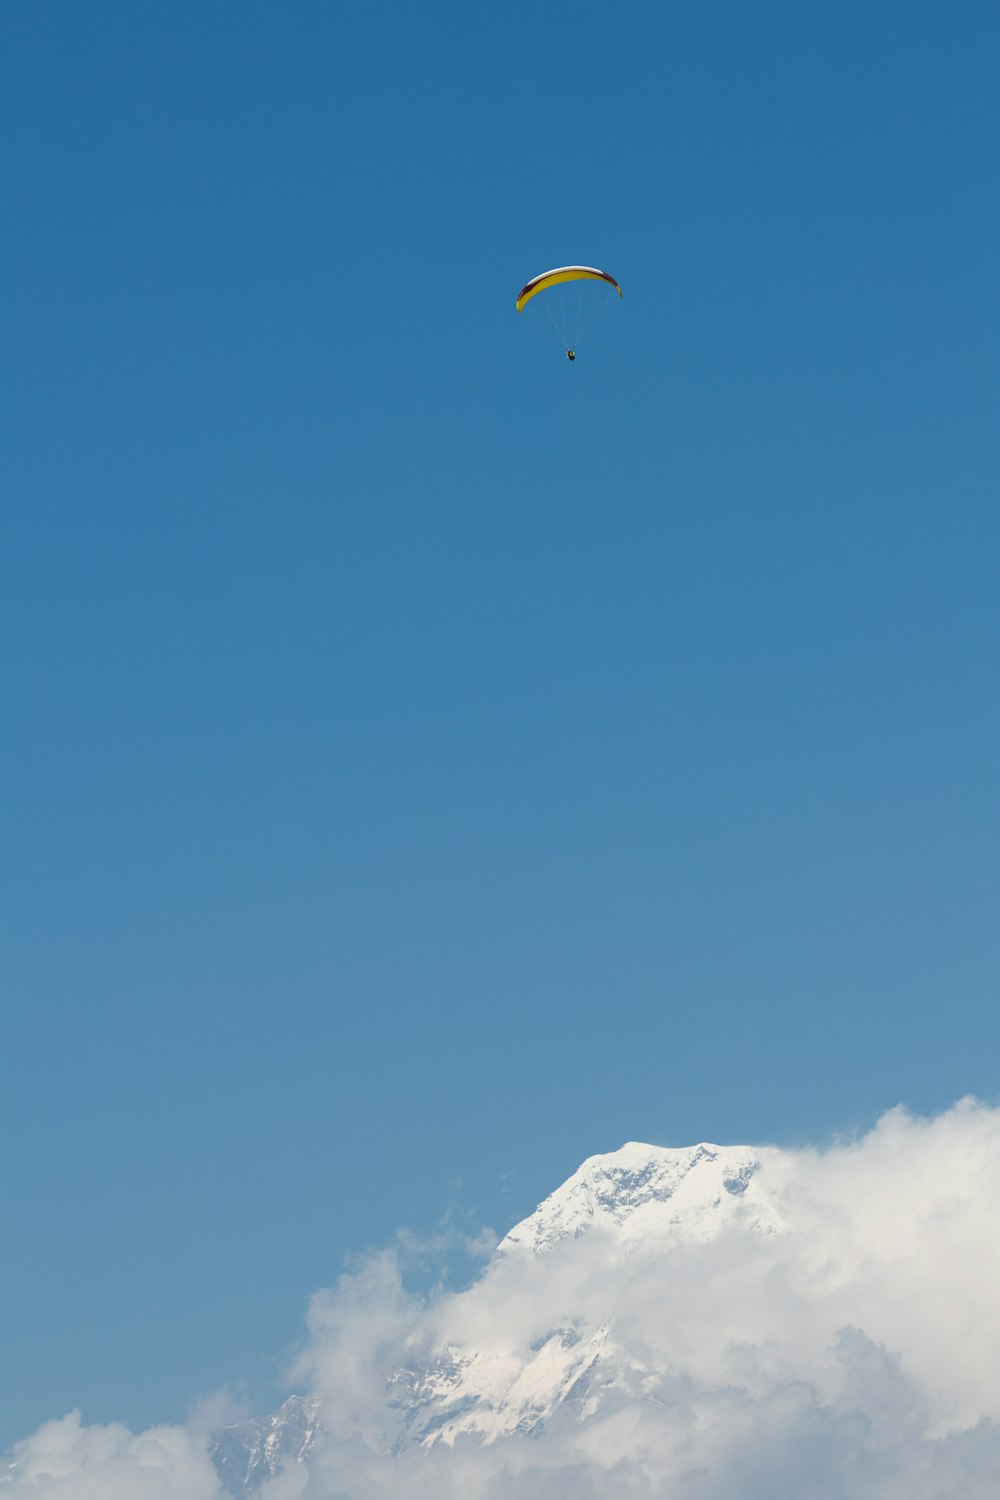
(853, 1356)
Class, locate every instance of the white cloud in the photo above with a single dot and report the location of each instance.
(64, 1460)
(856, 1356)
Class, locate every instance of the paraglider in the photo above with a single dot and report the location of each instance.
(579, 313)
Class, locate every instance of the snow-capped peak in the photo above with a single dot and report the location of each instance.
(644, 1190)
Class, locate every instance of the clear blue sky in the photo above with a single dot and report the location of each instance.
(427, 763)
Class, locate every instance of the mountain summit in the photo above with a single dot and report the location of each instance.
(643, 1191)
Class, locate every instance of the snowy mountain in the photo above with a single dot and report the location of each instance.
(642, 1190)
(641, 1200)
(247, 1453)
(548, 1356)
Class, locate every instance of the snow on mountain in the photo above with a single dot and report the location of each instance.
(490, 1394)
(644, 1198)
(642, 1190)
(247, 1453)
(641, 1199)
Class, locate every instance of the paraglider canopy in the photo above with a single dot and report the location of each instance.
(562, 273)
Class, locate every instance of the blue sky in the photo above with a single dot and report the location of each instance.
(428, 763)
